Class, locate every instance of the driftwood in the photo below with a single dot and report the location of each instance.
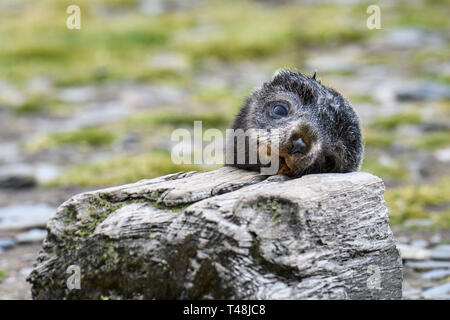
(227, 233)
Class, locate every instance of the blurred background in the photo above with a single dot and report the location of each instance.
(83, 109)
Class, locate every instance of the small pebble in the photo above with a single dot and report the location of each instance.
(441, 252)
(6, 243)
(26, 271)
(428, 265)
(419, 244)
(438, 292)
(417, 223)
(436, 239)
(34, 235)
(413, 253)
(436, 274)
(402, 240)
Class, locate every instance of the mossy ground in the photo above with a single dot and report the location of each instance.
(397, 120)
(85, 137)
(421, 201)
(117, 44)
(3, 275)
(125, 169)
(114, 46)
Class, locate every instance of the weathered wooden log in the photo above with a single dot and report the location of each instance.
(228, 234)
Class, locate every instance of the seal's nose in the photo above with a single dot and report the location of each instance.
(298, 146)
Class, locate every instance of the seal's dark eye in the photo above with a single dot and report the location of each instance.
(279, 110)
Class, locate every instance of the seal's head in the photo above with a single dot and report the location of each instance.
(317, 128)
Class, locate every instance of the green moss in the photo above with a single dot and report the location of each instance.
(420, 201)
(174, 209)
(430, 15)
(162, 75)
(248, 31)
(89, 136)
(124, 169)
(42, 105)
(396, 120)
(31, 106)
(273, 206)
(439, 77)
(3, 275)
(117, 45)
(443, 107)
(362, 98)
(82, 225)
(373, 138)
(103, 49)
(36, 53)
(433, 140)
(229, 100)
(394, 170)
(178, 119)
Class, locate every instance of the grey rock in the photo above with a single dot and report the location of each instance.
(428, 265)
(443, 155)
(439, 292)
(45, 172)
(411, 293)
(402, 240)
(423, 91)
(99, 113)
(12, 6)
(441, 252)
(436, 274)
(169, 60)
(417, 223)
(91, 114)
(409, 38)
(226, 233)
(10, 95)
(413, 253)
(152, 7)
(33, 235)
(16, 177)
(151, 96)
(436, 239)
(6, 243)
(442, 68)
(9, 152)
(25, 271)
(39, 84)
(332, 63)
(23, 175)
(419, 243)
(77, 94)
(25, 216)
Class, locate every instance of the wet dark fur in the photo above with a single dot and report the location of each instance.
(319, 113)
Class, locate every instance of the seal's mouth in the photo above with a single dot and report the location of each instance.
(286, 166)
(286, 162)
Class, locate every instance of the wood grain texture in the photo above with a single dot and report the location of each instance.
(228, 234)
